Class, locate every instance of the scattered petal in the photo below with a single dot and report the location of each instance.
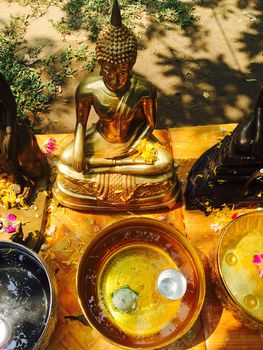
(49, 146)
(222, 129)
(96, 228)
(148, 151)
(66, 262)
(234, 216)
(216, 227)
(44, 246)
(8, 197)
(11, 217)
(11, 229)
(206, 94)
(257, 259)
(51, 230)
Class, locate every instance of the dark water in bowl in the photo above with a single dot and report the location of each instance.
(24, 298)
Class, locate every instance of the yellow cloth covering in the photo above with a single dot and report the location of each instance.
(69, 232)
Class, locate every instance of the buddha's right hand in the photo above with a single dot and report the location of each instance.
(78, 150)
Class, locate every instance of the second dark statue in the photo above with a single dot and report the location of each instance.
(231, 172)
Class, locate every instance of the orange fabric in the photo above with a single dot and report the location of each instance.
(216, 328)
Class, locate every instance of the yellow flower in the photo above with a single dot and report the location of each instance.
(148, 152)
(8, 197)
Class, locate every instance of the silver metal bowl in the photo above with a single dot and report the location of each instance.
(27, 300)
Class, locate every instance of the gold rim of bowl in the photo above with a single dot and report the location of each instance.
(163, 229)
(219, 265)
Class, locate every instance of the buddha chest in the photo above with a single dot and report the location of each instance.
(118, 115)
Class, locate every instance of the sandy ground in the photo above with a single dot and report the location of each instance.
(209, 73)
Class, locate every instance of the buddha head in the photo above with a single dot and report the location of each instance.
(116, 52)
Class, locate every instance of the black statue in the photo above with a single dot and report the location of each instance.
(231, 172)
(20, 157)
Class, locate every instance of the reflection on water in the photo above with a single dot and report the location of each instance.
(23, 302)
(137, 266)
(133, 258)
(239, 273)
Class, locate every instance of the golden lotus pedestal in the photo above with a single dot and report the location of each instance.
(117, 191)
(113, 191)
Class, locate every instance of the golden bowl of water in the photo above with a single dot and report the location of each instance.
(239, 268)
(141, 284)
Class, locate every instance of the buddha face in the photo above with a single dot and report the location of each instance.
(116, 76)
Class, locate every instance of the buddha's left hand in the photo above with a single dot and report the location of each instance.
(119, 154)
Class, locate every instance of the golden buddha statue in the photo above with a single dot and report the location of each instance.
(117, 162)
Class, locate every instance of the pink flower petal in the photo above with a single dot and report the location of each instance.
(257, 259)
(50, 146)
(235, 216)
(11, 217)
(52, 142)
(10, 229)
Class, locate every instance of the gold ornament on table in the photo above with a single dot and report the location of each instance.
(237, 269)
(117, 163)
(141, 284)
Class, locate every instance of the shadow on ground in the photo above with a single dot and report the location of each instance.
(211, 91)
(206, 92)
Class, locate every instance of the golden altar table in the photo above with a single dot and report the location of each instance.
(69, 232)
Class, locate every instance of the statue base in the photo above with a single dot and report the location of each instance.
(222, 177)
(116, 192)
